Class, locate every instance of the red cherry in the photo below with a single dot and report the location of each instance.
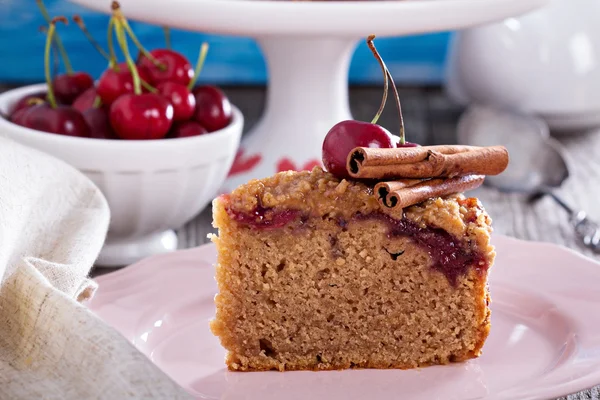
(25, 101)
(18, 116)
(186, 129)
(67, 87)
(141, 117)
(113, 83)
(86, 100)
(345, 136)
(63, 120)
(407, 144)
(174, 67)
(99, 123)
(213, 109)
(181, 98)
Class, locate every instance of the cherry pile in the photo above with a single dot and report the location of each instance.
(153, 97)
(346, 135)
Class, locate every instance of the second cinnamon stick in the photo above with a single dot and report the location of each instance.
(394, 197)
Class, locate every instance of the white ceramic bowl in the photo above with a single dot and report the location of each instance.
(152, 187)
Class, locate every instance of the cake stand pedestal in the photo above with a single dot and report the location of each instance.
(308, 46)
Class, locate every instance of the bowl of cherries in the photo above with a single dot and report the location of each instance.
(157, 146)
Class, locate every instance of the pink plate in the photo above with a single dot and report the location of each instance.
(545, 339)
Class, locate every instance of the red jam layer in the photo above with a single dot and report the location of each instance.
(449, 256)
(264, 217)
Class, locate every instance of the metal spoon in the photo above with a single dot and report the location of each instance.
(537, 164)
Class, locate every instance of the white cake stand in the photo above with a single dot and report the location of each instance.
(308, 46)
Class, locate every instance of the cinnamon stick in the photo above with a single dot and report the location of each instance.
(393, 197)
(426, 161)
(382, 189)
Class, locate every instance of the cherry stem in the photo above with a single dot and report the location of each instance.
(55, 58)
(118, 14)
(79, 21)
(97, 102)
(399, 108)
(122, 39)
(47, 51)
(112, 59)
(199, 64)
(148, 86)
(59, 44)
(167, 33)
(385, 77)
(34, 101)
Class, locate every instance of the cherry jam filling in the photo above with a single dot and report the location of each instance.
(449, 256)
(447, 253)
(265, 217)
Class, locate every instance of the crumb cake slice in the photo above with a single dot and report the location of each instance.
(312, 275)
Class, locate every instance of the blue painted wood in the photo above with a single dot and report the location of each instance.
(234, 60)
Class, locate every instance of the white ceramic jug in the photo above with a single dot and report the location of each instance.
(546, 62)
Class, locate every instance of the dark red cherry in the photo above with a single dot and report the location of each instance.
(115, 83)
(174, 67)
(63, 120)
(345, 136)
(67, 87)
(186, 129)
(99, 123)
(408, 144)
(28, 101)
(18, 116)
(141, 117)
(181, 98)
(213, 109)
(86, 100)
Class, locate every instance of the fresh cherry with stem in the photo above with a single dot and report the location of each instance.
(117, 81)
(180, 96)
(70, 85)
(164, 65)
(51, 117)
(138, 116)
(213, 109)
(347, 135)
(176, 68)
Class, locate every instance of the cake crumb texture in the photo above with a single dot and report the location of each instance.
(332, 291)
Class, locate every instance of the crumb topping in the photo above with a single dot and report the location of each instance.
(317, 193)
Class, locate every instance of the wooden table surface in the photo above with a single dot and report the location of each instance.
(431, 118)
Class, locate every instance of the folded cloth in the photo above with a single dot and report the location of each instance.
(53, 221)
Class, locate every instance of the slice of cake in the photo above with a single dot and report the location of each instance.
(314, 273)
(381, 263)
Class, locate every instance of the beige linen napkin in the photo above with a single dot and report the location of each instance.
(52, 225)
